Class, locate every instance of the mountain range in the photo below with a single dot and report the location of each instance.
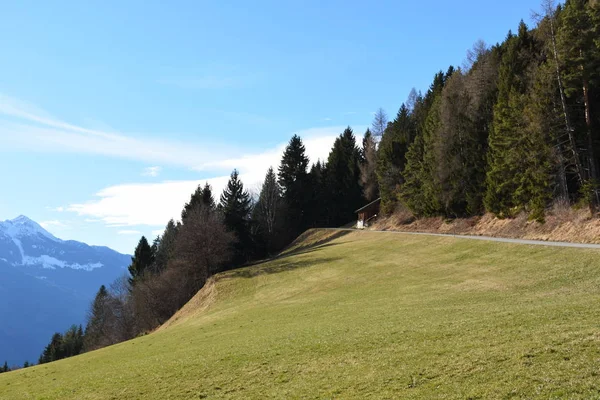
(46, 285)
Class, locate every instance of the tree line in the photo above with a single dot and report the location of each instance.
(512, 130)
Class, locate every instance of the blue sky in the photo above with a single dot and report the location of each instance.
(112, 112)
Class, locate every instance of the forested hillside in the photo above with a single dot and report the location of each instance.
(512, 130)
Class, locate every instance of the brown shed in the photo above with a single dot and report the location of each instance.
(367, 213)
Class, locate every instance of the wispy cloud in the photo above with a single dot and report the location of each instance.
(151, 171)
(53, 224)
(27, 127)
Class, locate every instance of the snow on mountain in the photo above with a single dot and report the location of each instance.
(23, 226)
(48, 284)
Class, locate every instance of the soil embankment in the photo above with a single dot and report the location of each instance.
(562, 225)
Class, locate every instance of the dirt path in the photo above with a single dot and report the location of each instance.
(489, 238)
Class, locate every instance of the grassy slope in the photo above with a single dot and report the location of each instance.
(364, 315)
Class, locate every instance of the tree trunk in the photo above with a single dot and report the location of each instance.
(563, 101)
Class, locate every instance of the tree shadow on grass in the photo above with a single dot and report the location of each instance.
(275, 267)
(329, 235)
(275, 264)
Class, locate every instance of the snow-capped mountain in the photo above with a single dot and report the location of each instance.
(46, 285)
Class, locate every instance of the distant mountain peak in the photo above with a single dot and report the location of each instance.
(24, 226)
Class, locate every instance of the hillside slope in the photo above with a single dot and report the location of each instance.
(359, 315)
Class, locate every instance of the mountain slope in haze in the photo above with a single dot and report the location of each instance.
(362, 315)
(47, 285)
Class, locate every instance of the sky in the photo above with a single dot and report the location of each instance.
(113, 112)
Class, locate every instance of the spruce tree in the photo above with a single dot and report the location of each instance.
(343, 179)
(97, 320)
(519, 172)
(166, 248)
(391, 158)
(207, 196)
(293, 179)
(142, 260)
(195, 200)
(236, 206)
(578, 45)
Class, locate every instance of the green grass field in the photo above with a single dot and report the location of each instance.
(363, 315)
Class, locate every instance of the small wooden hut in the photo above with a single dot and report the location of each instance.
(367, 213)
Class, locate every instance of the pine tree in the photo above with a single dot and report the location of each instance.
(195, 200)
(142, 260)
(236, 207)
(419, 191)
(343, 179)
(293, 179)
(166, 247)
(97, 320)
(518, 175)
(391, 158)
(577, 40)
(207, 196)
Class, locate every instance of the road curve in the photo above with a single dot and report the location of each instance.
(488, 238)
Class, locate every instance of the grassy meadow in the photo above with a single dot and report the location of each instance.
(362, 315)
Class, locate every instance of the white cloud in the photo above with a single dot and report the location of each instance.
(154, 204)
(129, 232)
(151, 171)
(53, 224)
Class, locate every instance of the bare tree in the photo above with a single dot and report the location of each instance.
(268, 207)
(368, 173)
(379, 124)
(479, 49)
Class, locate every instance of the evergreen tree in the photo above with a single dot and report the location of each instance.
(368, 168)
(419, 191)
(578, 45)
(236, 206)
(142, 259)
(343, 179)
(518, 175)
(317, 206)
(293, 179)
(166, 247)
(5, 367)
(195, 200)
(391, 158)
(98, 319)
(207, 196)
